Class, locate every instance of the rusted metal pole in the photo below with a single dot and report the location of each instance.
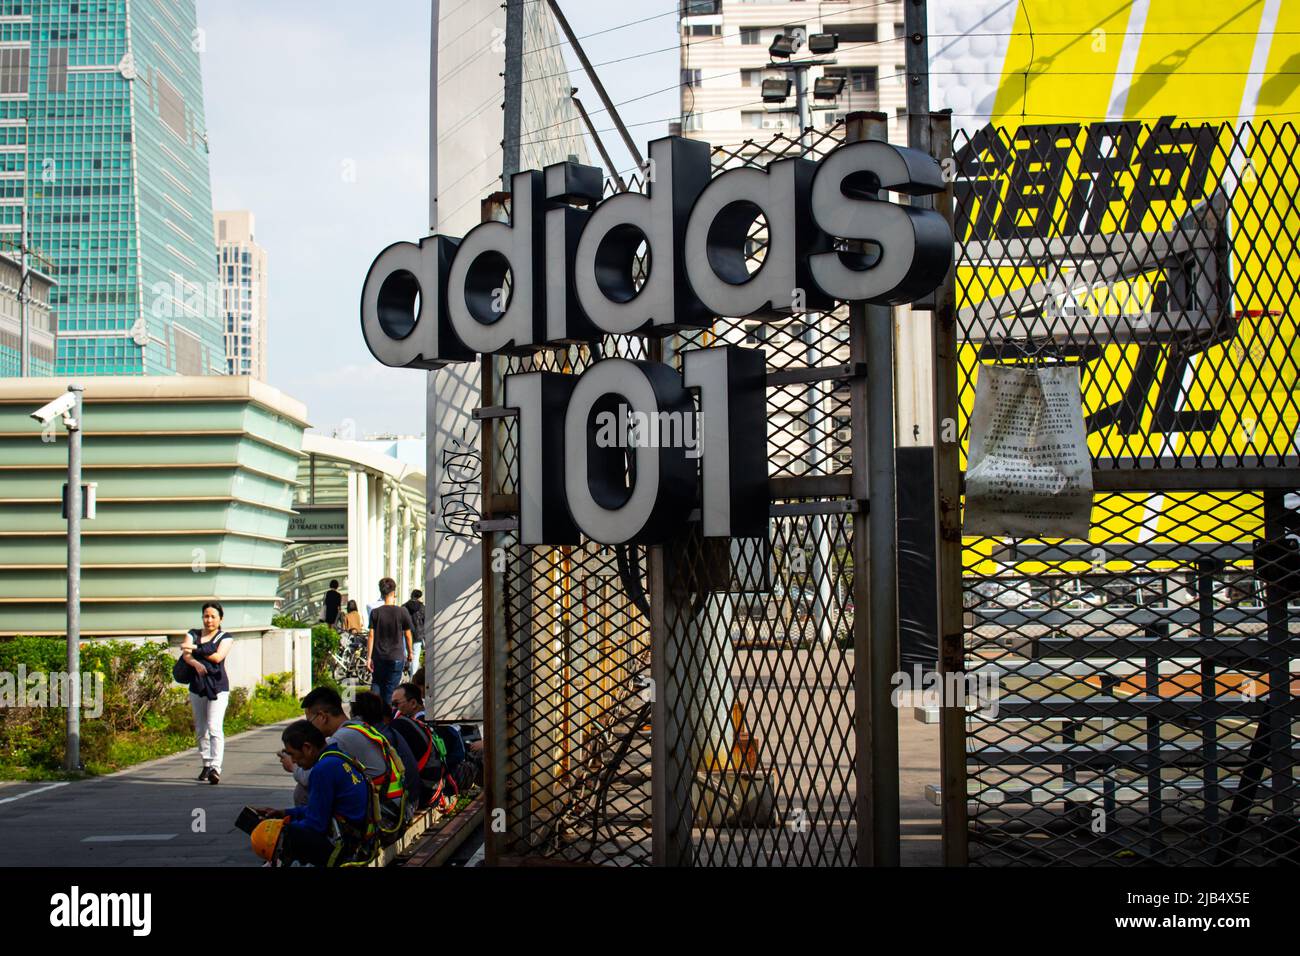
(952, 756)
(875, 565)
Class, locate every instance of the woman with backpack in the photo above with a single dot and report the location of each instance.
(204, 652)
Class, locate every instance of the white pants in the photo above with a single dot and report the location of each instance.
(209, 715)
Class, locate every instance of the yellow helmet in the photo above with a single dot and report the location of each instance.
(265, 836)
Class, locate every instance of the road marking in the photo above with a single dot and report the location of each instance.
(155, 837)
(33, 792)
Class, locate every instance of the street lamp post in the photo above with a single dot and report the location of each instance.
(68, 407)
(72, 760)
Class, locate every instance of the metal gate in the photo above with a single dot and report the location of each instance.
(756, 683)
(1146, 710)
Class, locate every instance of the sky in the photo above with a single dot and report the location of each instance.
(317, 116)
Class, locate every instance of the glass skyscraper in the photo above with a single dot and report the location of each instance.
(102, 135)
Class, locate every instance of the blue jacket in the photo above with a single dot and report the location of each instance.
(335, 787)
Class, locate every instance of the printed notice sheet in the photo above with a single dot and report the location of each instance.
(1028, 473)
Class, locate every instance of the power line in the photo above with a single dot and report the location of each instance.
(468, 199)
(664, 119)
(711, 39)
(714, 77)
(596, 33)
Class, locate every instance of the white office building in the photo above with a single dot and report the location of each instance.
(724, 45)
(241, 269)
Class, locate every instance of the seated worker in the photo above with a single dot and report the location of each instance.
(336, 820)
(369, 708)
(408, 700)
(430, 752)
(323, 709)
(463, 766)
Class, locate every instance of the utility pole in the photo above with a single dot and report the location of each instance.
(917, 64)
(514, 92)
(917, 430)
(72, 760)
(817, 433)
(435, 12)
(799, 70)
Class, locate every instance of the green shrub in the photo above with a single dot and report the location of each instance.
(145, 714)
(288, 622)
(35, 653)
(237, 708)
(275, 687)
(136, 678)
(325, 642)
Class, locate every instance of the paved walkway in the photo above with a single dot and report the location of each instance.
(143, 816)
(146, 815)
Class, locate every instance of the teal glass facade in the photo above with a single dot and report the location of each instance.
(102, 133)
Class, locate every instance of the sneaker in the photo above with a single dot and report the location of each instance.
(203, 774)
(213, 776)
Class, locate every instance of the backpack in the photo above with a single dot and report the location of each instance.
(463, 769)
(417, 620)
(354, 845)
(440, 786)
(394, 814)
(453, 744)
(428, 750)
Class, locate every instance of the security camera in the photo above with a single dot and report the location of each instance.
(62, 405)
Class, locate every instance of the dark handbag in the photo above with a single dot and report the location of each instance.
(183, 673)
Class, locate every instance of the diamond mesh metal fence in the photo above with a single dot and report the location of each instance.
(1142, 706)
(764, 737)
(1136, 693)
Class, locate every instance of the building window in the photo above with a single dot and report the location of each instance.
(171, 105)
(900, 30)
(14, 63)
(690, 77)
(701, 8)
(853, 32)
(692, 121)
(751, 36)
(751, 77)
(704, 30)
(57, 76)
(858, 79)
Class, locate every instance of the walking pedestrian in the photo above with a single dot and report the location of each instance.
(333, 601)
(352, 619)
(415, 607)
(388, 642)
(204, 650)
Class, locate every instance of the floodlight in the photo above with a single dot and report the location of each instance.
(828, 87)
(784, 46)
(775, 90)
(820, 43)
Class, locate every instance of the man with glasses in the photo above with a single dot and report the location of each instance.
(323, 709)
